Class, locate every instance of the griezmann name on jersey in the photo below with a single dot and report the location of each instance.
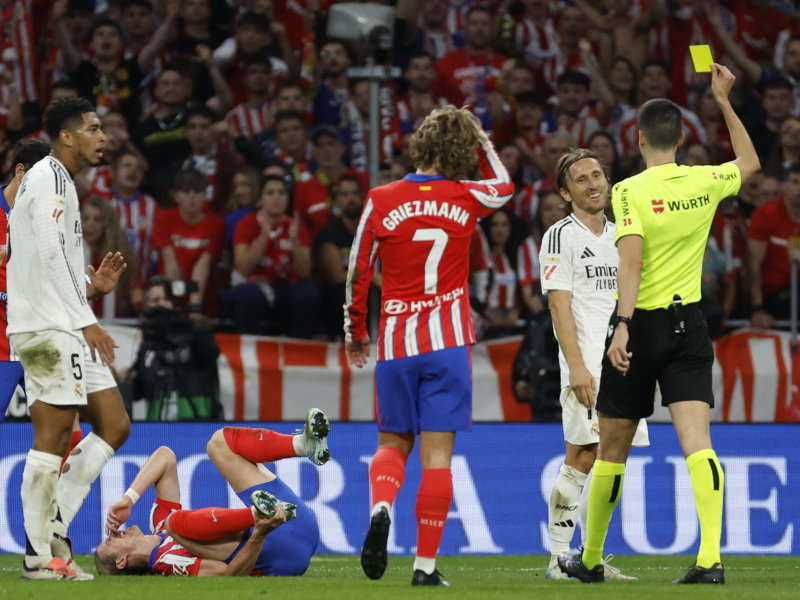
(421, 228)
(46, 282)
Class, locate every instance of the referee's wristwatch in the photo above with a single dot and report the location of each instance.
(621, 319)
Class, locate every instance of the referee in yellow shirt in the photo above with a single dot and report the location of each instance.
(658, 333)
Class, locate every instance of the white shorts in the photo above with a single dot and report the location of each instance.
(59, 369)
(581, 425)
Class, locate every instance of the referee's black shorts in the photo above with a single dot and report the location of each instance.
(680, 362)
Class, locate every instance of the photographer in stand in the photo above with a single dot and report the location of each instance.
(176, 366)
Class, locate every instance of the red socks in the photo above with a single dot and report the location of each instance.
(433, 503)
(76, 438)
(210, 524)
(259, 445)
(386, 474)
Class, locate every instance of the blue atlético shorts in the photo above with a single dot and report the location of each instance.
(427, 392)
(288, 549)
(11, 375)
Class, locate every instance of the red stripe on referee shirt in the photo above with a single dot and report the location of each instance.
(502, 355)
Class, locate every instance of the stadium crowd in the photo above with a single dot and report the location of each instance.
(237, 143)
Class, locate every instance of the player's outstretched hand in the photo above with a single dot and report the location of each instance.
(721, 82)
(118, 514)
(264, 526)
(582, 383)
(357, 351)
(100, 343)
(107, 275)
(618, 351)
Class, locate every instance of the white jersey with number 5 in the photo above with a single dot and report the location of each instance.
(574, 259)
(46, 283)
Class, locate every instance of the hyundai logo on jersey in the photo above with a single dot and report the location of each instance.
(500, 497)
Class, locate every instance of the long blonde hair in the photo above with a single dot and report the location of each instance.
(115, 240)
(447, 141)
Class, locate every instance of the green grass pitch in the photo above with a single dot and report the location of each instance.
(484, 577)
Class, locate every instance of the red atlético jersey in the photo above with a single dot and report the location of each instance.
(421, 229)
(169, 557)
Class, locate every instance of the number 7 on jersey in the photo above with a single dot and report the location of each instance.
(439, 238)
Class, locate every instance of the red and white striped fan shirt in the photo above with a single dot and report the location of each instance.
(249, 121)
(16, 32)
(137, 217)
(99, 179)
(528, 262)
(537, 43)
(421, 229)
(503, 292)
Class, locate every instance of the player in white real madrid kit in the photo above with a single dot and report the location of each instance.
(64, 352)
(578, 261)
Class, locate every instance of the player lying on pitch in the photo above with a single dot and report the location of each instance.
(269, 537)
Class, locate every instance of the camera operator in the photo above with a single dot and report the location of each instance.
(176, 367)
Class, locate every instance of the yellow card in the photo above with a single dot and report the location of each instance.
(701, 57)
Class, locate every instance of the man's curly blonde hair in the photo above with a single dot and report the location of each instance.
(447, 141)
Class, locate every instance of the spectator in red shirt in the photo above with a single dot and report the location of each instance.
(290, 95)
(332, 251)
(502, 308)
(188, 239)
(272, 254)
(291, 141)
(466, 76)
(419, 100)
(773, 226)
(102, 234)
(243, 199)
(312, 201)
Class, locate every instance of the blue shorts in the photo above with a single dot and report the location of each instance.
(428, 392)
(287, 550)
(11, 375)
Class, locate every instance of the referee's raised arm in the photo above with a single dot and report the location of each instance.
(746, 158)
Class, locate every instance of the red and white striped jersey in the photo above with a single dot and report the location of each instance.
(628, 137)
(421, 229)
(536, 43)
(16, 32)
(503, 291)
(137, 217)
(528, 262)
(560, 62)
(249, 121)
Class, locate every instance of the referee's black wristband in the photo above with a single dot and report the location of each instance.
(625, 320)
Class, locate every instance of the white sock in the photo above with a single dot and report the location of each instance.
(428, 565)
(299, 446)
(563, 508)
(584, 509)
(378, 506)
(38, 493)
(85, 464)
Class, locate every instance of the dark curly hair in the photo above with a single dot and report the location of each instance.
(447, 141)
(28, 152)
(65, 113)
